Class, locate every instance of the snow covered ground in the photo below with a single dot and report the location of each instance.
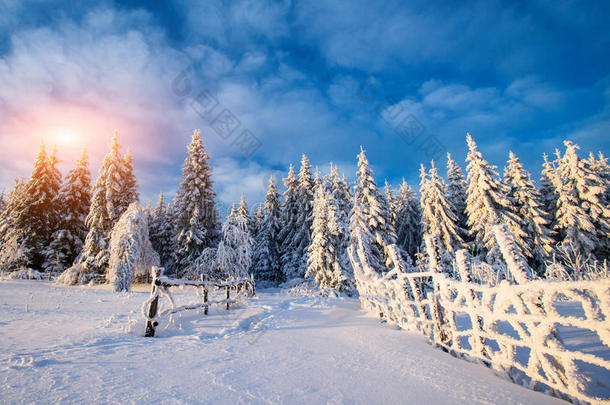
(63, 344)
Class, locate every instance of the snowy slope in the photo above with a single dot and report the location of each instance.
(82, 344)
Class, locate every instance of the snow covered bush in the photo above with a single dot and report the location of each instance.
(570, 264)
(24, 274)
(131, 252)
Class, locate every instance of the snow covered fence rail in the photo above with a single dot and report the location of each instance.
(526, 331)
(160, 287)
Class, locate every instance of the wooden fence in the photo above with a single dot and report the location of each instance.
(160, 287)
(516, 328)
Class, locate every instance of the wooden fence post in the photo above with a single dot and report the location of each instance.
(152, 308)
(205, 296)
(228, 294)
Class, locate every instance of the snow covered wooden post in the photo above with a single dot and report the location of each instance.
(435, 267)
(517, 265)
(204, 290)
(228, 288)
(154, 302)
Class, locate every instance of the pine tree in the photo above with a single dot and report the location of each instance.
(12, 254)
(438, 215)
(549, 191)
(340, 193)
(161, 232)
(266, 256)
(325, 263)
(296, 266)
(529, 207)
(392, 203)
(197, 218)
(35, 218)
(74, 200)
(129, 189)
(408, 220)
(370, 217)
(290, 224)
(456, 194)
(243, 212)
(487, 204)
(107, 206)
(582, 219)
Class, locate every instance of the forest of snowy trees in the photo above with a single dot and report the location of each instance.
(83, 232)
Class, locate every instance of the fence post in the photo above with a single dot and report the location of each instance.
(431, 244)
(205, 295)
(152, 308)
(228, 293)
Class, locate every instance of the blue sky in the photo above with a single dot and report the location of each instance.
(320, 78)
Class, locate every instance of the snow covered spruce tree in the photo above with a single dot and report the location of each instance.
(300, 240)
(326, 265)
(527, 204)
(290, 222)
(408, 220)
(456, 194)
(129, 185)
(242, 210)
(370, 217)
(131, 253)
(74, 200)
(12, 254)
(266, 257)
(161, 232)
(35, 218)
(582, 219)
(197, 218)
(438, 215)
(233, 256)
(487, 205)
(107, 206)
(549, 191)
(340, 192)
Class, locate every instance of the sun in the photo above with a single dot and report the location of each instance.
(65, 137)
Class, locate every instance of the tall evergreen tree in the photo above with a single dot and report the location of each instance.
(74, 200)
(487, 204)
(370, 217)
(290, 222)
(325, 263)
(527, 204)
(340, 193)
(456, 194)
(549, 191)
(197, 218)
(129, 189)
(12, 254)
(161, 232)
(582, 219)
(301, 239)
(408, 220)
(107, 206)
(243, 212)
(266, 256)
(438, 215)
(35, 218)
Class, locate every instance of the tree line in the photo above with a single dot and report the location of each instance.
(52, 225)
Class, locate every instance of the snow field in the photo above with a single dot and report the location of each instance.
(84, 344)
